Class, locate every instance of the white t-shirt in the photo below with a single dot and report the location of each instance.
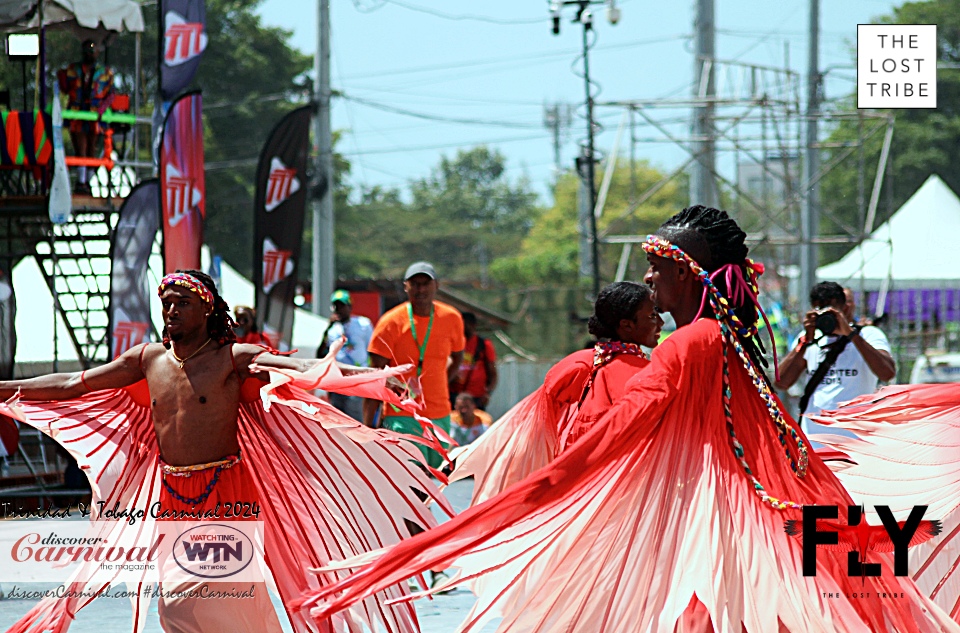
(358, 331)
(849, 377)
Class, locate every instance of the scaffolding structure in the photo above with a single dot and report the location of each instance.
(756, 149)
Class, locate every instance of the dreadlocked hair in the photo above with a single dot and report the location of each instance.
(713, 239)
(618, 301)
(220, 324)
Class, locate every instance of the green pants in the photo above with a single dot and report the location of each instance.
(408, 425)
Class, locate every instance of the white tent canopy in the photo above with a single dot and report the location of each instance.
(915, 248)
(35, 312)
(112, 15)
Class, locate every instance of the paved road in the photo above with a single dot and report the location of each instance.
(112, 615)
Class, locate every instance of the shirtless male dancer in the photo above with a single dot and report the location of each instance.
(194, 378)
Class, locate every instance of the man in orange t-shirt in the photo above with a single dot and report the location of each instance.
(427, 334)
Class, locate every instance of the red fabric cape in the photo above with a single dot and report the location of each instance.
(329, 487)
(649, 513)
(531, 434)
(907, 453)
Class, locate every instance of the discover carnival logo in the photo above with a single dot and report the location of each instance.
(122, 551)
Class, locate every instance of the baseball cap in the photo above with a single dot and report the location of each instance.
(420, 268)
(341, 296)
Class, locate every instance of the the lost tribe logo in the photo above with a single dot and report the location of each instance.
(281, 184)
(277, 264)
(181, 194)
(126, 334)
(213, 551)
(184, 40)
(858, 539)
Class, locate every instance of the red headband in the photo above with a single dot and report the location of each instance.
(190, 283)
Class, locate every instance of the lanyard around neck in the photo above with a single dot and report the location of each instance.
(413, 331)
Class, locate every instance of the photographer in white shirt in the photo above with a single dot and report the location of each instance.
(860, 355)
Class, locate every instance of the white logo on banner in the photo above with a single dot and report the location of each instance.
(184, 40)
(126, 334)
(180, 193)
(277, 265)
(281, 184)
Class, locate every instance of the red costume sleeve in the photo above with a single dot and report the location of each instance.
(650, 515)
(525, 438)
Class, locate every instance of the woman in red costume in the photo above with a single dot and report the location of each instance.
(575, 394)
(663, 516)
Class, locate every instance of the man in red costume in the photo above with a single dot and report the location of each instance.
(662, 517)
(191, 434)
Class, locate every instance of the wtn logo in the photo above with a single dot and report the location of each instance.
(214, 551)
(221, 551)
(857, 538)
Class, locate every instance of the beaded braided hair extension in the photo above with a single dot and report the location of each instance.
(724, 311)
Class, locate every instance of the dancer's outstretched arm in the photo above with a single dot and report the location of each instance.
(123, 371)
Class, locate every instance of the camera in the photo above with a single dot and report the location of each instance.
(826, 321)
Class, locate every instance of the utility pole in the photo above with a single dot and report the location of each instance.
(557, 118)
(590, 159)
(323, 260)
(703, 184)
(810, 211)
(586, 162)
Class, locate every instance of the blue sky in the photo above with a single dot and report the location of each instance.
(493, 65)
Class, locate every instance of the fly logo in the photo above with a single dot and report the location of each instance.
(859, 539)
(281, 184)
(277, 265)
(126, 334)
(180, 195)
(184, 40)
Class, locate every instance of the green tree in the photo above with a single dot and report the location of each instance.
(466, 214)
(550, 253)
(366, 230)
(925, 141)
(250, 77)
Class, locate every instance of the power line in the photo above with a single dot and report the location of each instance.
(512, 59)
(244, 162)
(461, 17)
(417, 148)
(432, 117)
(289, 95)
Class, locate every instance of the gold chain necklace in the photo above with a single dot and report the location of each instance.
(183, 360)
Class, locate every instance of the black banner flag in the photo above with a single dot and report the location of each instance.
(183, 23)
(133, 239)
(279, 208)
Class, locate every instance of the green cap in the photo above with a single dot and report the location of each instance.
(341, 296)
